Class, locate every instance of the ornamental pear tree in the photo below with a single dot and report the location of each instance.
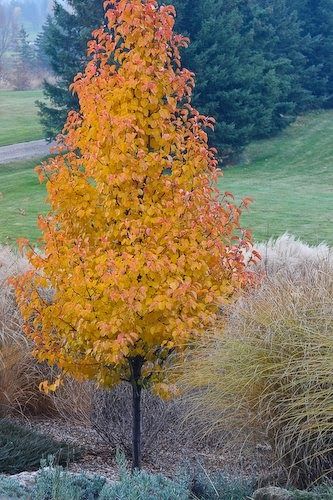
(138, 252)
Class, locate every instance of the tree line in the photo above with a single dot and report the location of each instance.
(258, 63)
(22, 64)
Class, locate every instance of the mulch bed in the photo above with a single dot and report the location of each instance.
(237, 457)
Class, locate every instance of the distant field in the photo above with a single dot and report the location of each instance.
(21, 200)
(18, 116)
(290, 178)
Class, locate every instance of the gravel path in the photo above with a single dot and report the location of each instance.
(24, 151)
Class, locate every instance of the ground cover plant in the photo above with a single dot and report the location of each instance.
(19, 120)
(10, 488)
(290, 179)
(55, 483)
(137, 248)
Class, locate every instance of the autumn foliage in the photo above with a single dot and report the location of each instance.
(138, 250)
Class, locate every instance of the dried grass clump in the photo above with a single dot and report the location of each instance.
(272, 366)
(20, 374)
(10, 318)
(289, 255)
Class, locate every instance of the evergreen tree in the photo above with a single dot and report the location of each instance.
(235, 84)
(250, 60)
(64, 41)
(277, 34)
(316, 18)
(24, 62)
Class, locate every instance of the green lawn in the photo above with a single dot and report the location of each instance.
(18, 116)
(290, 178)
(21, 200)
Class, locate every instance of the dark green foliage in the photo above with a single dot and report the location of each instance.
(277, 34)
(9, 488)
(22, 449)
(248, 63)
(316, 17)
(64, 42)
(56, 483)
(221, 486)
(231, 78)
(258, 63)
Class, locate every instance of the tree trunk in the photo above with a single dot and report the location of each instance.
(136, 365)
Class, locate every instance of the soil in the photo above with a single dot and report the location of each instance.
(235, 457)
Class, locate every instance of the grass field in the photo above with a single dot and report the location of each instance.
(21, 200)
(290, 178)
(18, 116)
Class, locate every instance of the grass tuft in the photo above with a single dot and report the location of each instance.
(20, 374)
(271, 368)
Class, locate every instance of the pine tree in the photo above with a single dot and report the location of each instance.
(316, 18)
(24, 61)
(234, 82)
(64, 41)
(277, 34)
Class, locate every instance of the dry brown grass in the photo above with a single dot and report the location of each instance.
(272, 366)
(20, 374)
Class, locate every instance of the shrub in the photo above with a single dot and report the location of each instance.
(222, 486)
(9, 488)
(10, 318)
(144, 486)
(22, 449)
(141, 485)
(55, 483)
(272, 367)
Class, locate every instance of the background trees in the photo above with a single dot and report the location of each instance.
(22, 66)
(316, 18)
(8, 26)
(250, 66)
(25, 64)
(229, 75)
(64, 42)
(258, 63)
